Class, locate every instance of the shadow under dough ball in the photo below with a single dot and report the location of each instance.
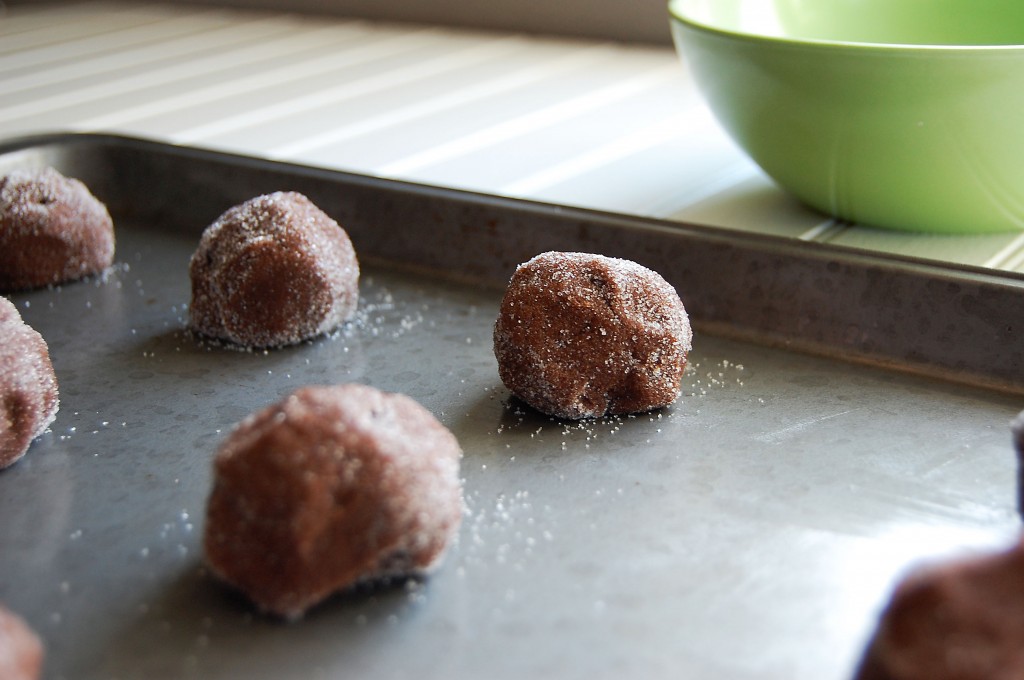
(273, 271)
(52, 230)
(583, 336)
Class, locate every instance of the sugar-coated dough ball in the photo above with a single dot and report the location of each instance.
(28, 386)
(52, 230)
(956, 620)
(330, 487)
(273, 271)
(583, 336)
(21, 652)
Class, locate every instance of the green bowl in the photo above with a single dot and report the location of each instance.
(906, 114)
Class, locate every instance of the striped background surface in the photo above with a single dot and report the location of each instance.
(585, 123)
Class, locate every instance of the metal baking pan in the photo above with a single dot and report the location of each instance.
(751, 530)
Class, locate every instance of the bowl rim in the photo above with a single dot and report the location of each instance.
(676, 14)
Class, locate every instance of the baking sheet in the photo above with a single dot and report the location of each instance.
(751, 530)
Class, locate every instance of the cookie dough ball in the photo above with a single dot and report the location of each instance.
(583, 336)
(330, 487)
(273, 271)
(21, 652)
(52, 230)
(959, 620)
(28, 386)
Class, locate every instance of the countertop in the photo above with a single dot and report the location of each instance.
(602, 125)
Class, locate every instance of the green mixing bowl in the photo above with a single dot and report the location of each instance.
(906, 114)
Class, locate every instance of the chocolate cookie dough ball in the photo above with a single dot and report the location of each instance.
(961, 620)
(583, 336)
(52, 230)
(28, 386)
(21, 652)
(330, 487)
(273, 271)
